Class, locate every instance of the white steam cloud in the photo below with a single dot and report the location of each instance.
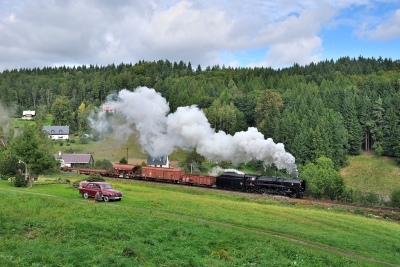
(161, 133)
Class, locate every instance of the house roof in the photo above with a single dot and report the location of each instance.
(56, 129)
(28, 112)
(107, 108)
(74, 158)
(157, 160)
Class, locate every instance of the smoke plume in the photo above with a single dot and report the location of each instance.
(160, 133)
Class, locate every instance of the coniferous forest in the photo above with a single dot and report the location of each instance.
(330, 108)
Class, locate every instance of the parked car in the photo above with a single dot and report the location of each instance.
(89, 190)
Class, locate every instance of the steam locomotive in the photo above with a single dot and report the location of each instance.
(261, 184)
(229, 180)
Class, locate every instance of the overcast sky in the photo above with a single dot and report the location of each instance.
(270, 33)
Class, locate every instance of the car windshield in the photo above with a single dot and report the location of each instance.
(106, 186)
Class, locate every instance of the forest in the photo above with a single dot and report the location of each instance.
(330, 108)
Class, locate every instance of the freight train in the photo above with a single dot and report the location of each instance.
(229, 180)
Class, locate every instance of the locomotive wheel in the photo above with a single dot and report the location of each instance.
(106, 199)
(263, 191)
(85, 195)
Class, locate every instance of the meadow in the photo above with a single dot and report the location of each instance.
(165, 225)
(370, 173)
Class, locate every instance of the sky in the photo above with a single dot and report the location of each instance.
(251, 33)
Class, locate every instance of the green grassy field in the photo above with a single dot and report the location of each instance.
(370, 173)
(165, 225)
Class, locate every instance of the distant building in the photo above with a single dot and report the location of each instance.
(74, 160)
(28, 115)
(57, 132)
(162, 161)
(107, 108)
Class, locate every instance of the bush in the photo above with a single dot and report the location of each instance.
(95, 177)
(358, 210)
(323, 181)
(395, 198)
(83, 140)
(103, 164)
(371, 199)
(19, 180)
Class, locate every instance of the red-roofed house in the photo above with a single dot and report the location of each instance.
(108, 108)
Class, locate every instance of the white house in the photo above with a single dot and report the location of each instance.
(28, 114)
(162, 161)
(57, 132)
(74, 160)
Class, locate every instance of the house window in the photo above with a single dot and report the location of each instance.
(60, 131)
(52, 131)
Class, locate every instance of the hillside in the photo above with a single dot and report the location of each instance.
(370, 173)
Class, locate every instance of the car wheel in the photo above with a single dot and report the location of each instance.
(106, 199)
(85, 195)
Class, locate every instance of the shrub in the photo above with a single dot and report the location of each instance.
(19, 180)
(371, 198)
(103, 164)
(83, 140)
(95, 177)
(358, 210)
(395, 198)
(323, 181)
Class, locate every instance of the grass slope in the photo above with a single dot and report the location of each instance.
(165, 225)
(370, 173)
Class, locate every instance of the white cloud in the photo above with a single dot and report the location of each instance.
(387, 30)
(42, 32)
(302, 51)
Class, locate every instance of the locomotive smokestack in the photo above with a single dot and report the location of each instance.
(161, 133)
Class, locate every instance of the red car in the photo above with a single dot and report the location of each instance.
(89, 189)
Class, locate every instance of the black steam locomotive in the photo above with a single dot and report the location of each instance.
(261, 184)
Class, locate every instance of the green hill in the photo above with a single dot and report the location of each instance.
(370, 173)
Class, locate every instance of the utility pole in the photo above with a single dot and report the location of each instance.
(126, 155)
